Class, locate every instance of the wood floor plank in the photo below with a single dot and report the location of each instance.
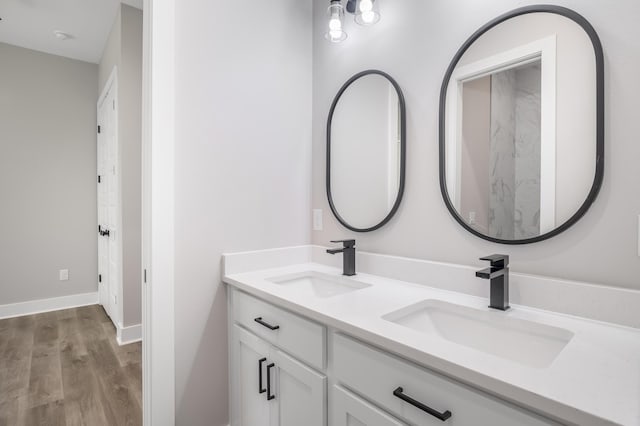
(15, 360)
(45, 378)
(114, 384)
(66, 313)
(73, 414)
(50, 414)
(91, 325)
(81, 389)
(70, 335)
(13, 411)
(46, 329)
(134, 374)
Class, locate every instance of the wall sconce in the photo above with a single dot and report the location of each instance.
(335, 13)
(367, 12)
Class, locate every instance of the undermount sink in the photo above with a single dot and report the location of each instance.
(317, 284)
(495, 333)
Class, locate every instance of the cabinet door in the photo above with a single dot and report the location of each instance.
(349, 410)
(248, 380)
(300, 393)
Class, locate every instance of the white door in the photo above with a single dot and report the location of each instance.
(349, 410)
(109, 262)
(249, 380)
(103, 248)
(299, 393)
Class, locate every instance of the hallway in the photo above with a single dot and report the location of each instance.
(66, 368)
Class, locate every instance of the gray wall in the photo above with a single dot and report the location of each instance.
(242, 165)
(476, 142)
(415, 41)
(47, 175)
(124, 50)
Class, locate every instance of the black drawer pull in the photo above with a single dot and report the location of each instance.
(269, 326)
(270, 396)
(260, 362)
(438, 415)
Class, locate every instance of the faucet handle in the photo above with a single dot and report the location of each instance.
(345, 243)
(497, 260)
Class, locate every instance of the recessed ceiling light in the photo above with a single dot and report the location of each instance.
(61, 35)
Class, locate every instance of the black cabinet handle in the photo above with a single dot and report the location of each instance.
(260, 362)
(438, 415)
(270, 396)
(269, 326)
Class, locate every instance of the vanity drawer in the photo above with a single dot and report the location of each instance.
(350, 410)
(385, 379)
(300, 337)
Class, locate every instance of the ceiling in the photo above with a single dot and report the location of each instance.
(31, 24)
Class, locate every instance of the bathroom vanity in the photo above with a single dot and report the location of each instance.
(309, 346)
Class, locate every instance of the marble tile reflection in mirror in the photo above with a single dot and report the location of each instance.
(500, 180)
(521, 131)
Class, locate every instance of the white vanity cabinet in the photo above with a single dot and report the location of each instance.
(269, 387)
(282, 373)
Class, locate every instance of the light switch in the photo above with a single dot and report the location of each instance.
(64, 274)
(317, 219)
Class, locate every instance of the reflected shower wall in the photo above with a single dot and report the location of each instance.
(500, 189)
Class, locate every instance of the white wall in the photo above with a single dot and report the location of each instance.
(47, 175)
(124, 51)
(243, 166)
(414, 42)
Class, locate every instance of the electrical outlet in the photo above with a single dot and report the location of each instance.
(317, 219)
(64, 274)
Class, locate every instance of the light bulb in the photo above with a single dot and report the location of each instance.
(366, 5)
(367, 12)
(368, 17)
(335, 24)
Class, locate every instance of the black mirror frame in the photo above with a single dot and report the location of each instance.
(403, 150)
(600, 118)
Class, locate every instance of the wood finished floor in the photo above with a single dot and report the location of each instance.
(65, 368)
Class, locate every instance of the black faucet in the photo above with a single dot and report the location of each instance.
(349, 257)
(498, 275)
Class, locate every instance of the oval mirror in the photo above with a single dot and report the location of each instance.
(522, 125)
(366, 151)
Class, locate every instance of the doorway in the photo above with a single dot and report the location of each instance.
(109, 252)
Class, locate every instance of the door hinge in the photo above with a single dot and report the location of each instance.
(99, 278)
(99, 129)
(99, 180)
(145, 276)
(114, 104)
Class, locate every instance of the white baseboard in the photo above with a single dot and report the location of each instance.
(130, 334)
(47, 305)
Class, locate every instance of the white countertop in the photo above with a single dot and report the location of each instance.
(595, 380)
